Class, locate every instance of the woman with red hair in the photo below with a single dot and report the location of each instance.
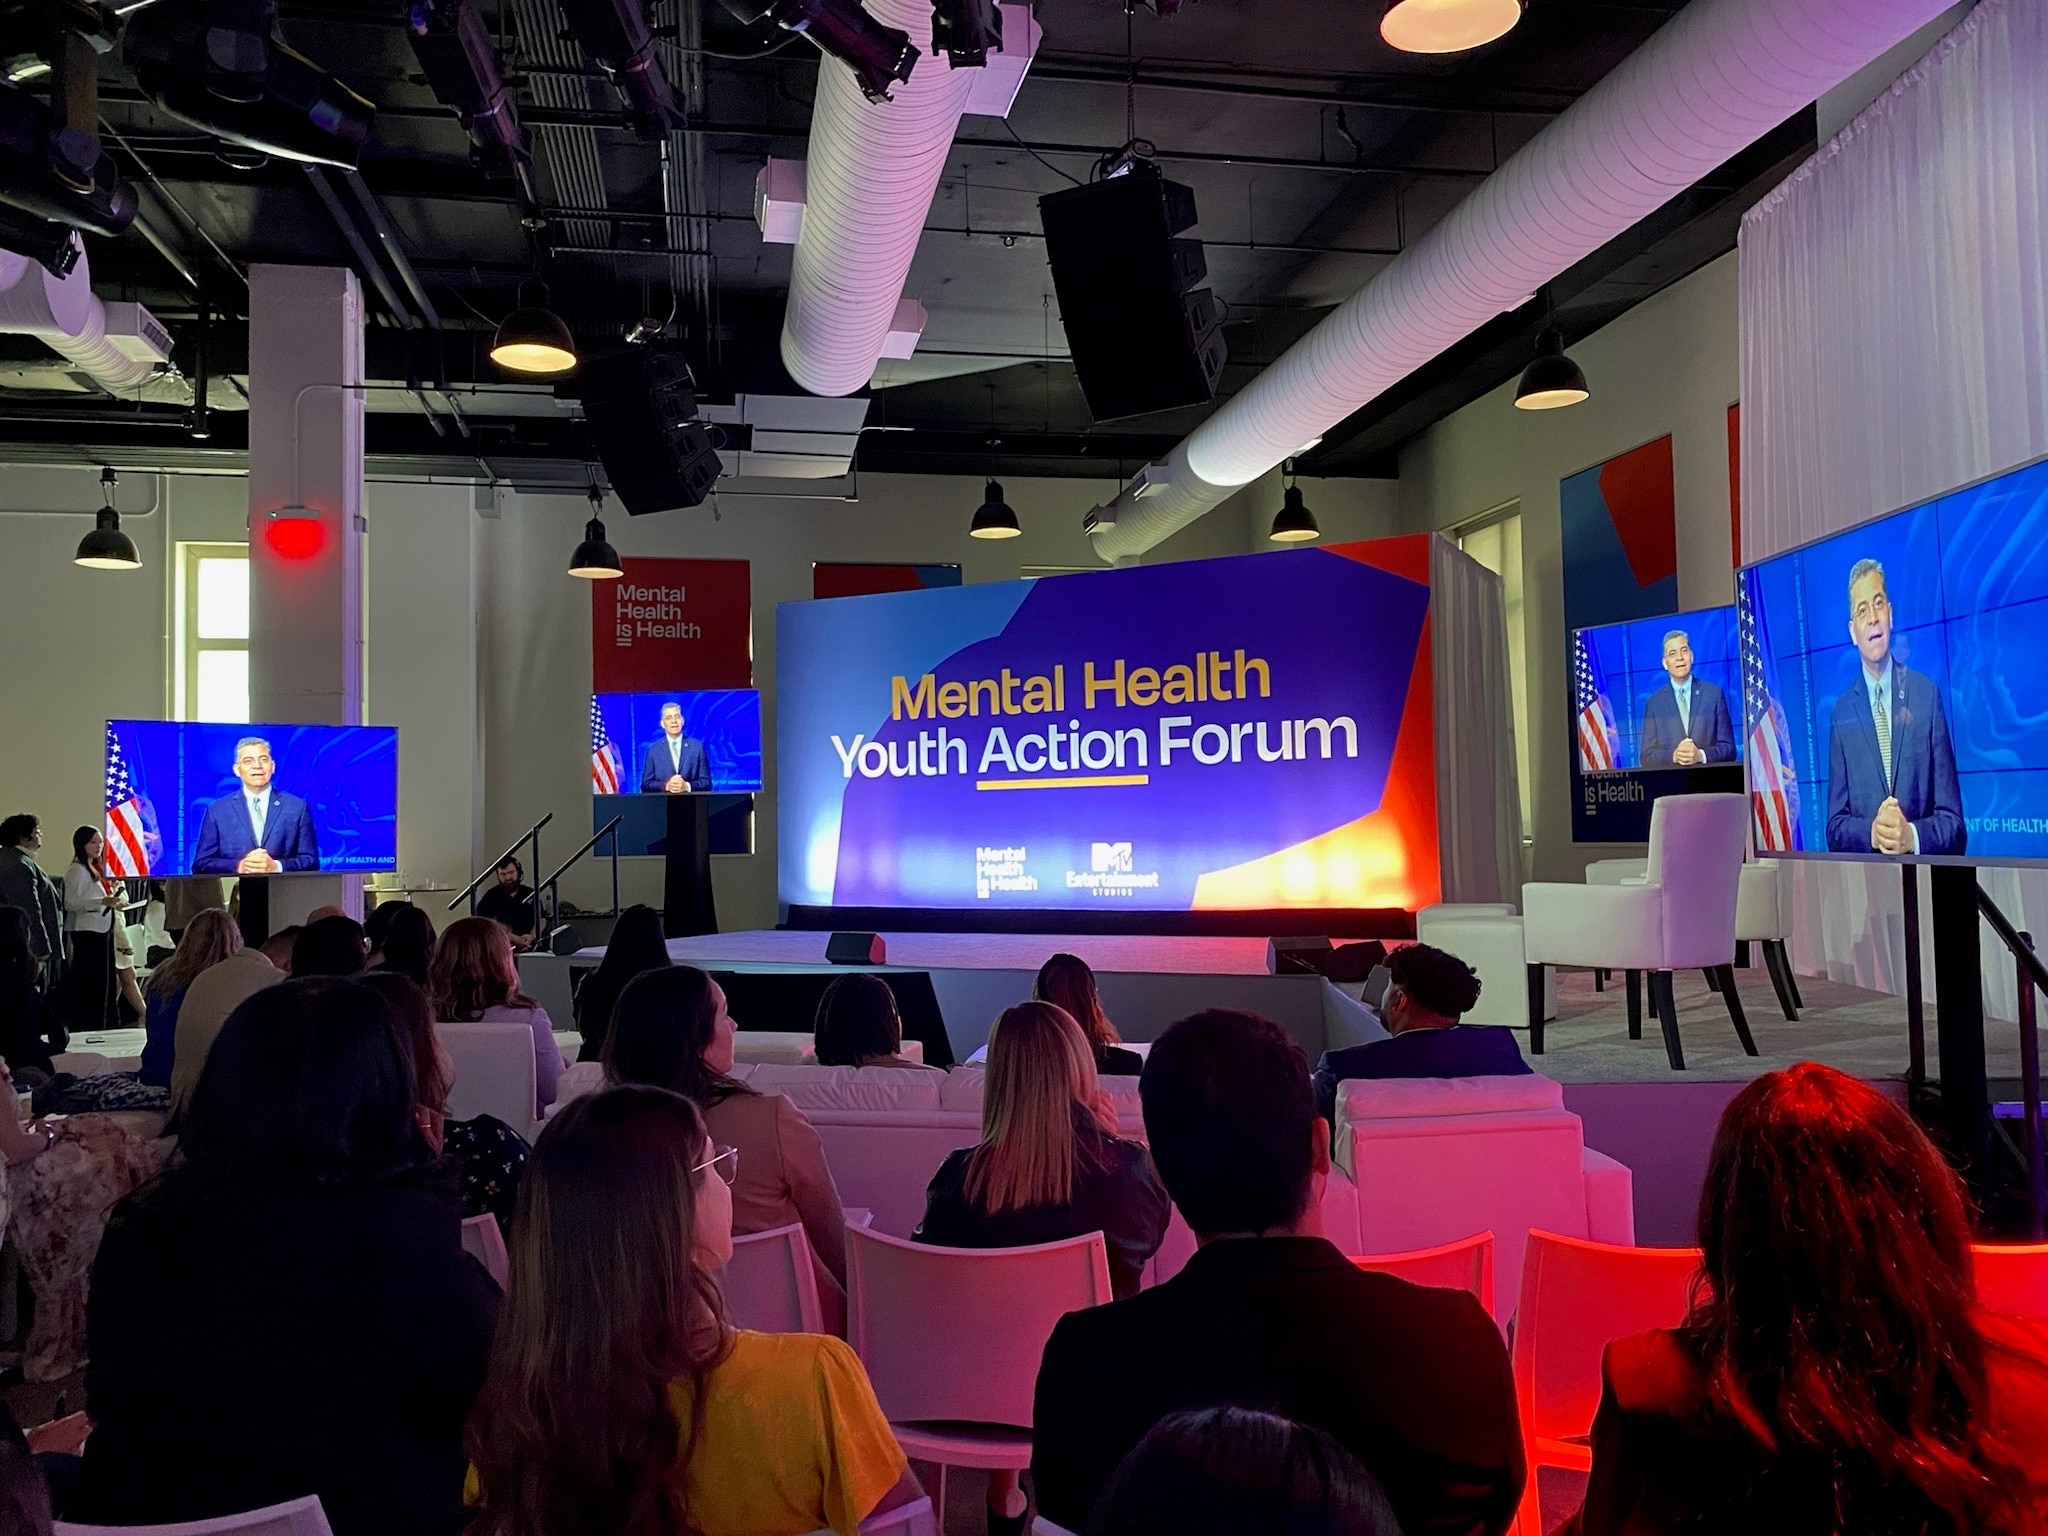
(1835, 1373)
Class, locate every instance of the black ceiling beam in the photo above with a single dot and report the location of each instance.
(1405, 94)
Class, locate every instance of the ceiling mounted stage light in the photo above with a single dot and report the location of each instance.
(617, 35)
(1294, 523)
(595, 559)
(993, 519)
(107, 548)
(533, 339)
(877, 55)
(1551, 380)
(1447, 26)
(967, 31)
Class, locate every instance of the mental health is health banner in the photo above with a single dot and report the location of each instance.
(1239, 734)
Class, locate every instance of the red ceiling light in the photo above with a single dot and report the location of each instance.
(294, 533)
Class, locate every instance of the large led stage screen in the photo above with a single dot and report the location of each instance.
(1240, 734)
(714, 746)
(204, 799)
(1896, 703)
(1658, 693)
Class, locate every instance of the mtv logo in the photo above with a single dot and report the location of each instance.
(1109, 858)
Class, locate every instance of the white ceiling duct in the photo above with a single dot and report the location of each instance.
(1713, 80)
(65, 314)
(871, 171)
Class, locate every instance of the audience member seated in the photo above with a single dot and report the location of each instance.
(1066, 982)
(289, 1311)
(1049, 1164)
(209, 938)
(1835, 1372)
(510, 901)
(408, 945)
(484, 1152)
(1428, 991)
(1230, 1471)
(211, 996)
(377, 923)
(857, 1025)
(277, 949)
(24, 1496)
(671, 1030)
(1413, 1381)
(476, 980)
(330, 945)
(637, 944)
(20, 1143)
(620, 1399)
(22, 1045)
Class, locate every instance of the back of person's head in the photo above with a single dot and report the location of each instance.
(1231, 1120)
(637, 944)
(308, 1083)
(277, 949)
(209, 938)
(856, 1021)
(1836, 1306)
(1039, 1070)
(1434, 980)
(330, 946)
(665, 1022)
(1066, 982)
(1236, 1472)
(17, 829)
(408, 942)
(432, 1072)
(79, 839)
(24, 1495)
(612, 1298)
(378, 920)
(474, 969)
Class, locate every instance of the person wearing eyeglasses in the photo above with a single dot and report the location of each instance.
(670, 1029)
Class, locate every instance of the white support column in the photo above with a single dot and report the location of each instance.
(306, 576)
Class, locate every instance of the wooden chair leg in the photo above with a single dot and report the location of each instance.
(1735, 1014)
(1599, 979)
(1742, 953)
(1535, 1010)
(1634, 983)
(1713, 981)
(1662, 1000)
(1781, 982)
(1791, 976)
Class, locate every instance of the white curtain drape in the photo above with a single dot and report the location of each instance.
(1478, 806)
(1894, 313)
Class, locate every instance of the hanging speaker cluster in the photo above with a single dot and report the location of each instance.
(1143, 332)
(640, 405)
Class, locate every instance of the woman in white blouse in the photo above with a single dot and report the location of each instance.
(90, 902)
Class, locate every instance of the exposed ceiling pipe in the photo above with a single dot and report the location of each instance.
(373, 269)
(67, 316)
(872, 170)
(380, 225)
(1714, 79)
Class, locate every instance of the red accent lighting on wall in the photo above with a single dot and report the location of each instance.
(294, 534)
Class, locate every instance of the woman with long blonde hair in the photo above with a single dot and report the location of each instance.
(1049, 1165)
(476, 980)
(620, 1401)
(208, 939)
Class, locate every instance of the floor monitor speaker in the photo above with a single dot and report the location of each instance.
(856, 949)
(1294, 956)
(1143, 332)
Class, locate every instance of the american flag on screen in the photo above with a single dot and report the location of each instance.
(1773, 788)
(131, 830)
(605, 769)
(1597, 734)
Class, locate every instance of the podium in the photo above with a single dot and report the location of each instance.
(686, 902)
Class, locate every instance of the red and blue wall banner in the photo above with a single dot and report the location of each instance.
(840, 578)
(1241, 734)
(1618, 525)
(672, 624)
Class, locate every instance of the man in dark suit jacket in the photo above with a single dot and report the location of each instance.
(1892, 785)
(259, 829)
(674, 764)
(1428, 991)
(1685, 723)
(1269, 1315)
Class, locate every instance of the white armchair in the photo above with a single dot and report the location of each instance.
(1763, 915)
(1682, 916)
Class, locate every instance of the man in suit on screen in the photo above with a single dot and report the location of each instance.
(674, 764)
(1685, 723)
(259, 829)
(1892, 785)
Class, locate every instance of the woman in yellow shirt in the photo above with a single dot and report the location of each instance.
(620, 1400)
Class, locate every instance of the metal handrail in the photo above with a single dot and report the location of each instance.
(2032, 974)
(530, 835)
(549, 885)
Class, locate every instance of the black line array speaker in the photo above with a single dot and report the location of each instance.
(856, 949)
(1144, 334)
(640, 405)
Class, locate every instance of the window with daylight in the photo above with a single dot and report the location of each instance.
(1495, 541)
(213, 632)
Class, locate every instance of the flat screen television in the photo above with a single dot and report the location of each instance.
(713, 748)
(1662, 693)
(186, 798)
(1896, 702)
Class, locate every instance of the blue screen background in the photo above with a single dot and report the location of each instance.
(1967, 575)
(726, 720)
(346, 774)
(1628, 666)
